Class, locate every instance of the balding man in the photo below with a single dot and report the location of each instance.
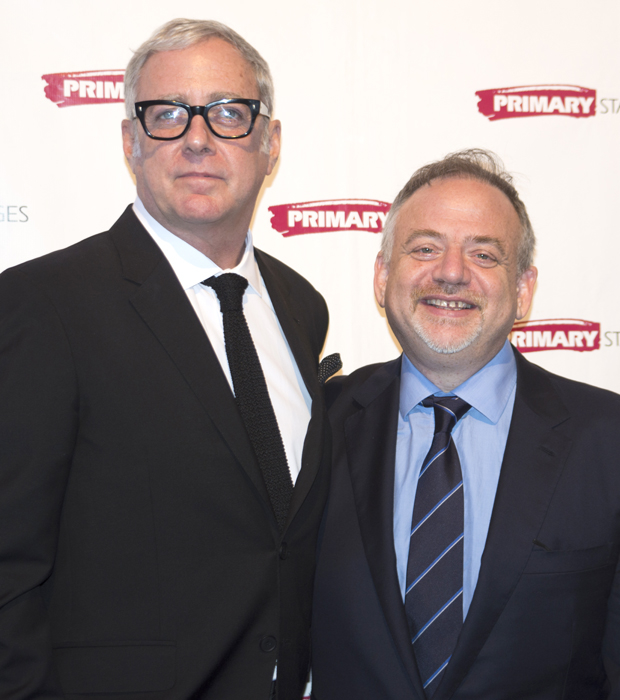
(472, 534)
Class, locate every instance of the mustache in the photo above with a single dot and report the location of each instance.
(448, 290)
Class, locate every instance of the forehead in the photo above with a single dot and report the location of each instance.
(456, 206)
(211, 67)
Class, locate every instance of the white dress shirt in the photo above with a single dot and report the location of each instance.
(289, 396)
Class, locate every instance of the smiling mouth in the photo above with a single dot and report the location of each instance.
(445, 304)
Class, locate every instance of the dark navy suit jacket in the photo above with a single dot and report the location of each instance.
(544, 622)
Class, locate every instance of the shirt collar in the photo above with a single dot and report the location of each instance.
(190, 265)
(487, 391)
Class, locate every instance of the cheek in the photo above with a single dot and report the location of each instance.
(398, 297)
(402, 283)
(504, 302)
(496, 287)
(155, 169)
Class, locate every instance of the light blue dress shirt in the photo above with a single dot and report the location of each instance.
(480, 438)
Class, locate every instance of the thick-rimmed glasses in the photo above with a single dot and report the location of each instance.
(166, 120)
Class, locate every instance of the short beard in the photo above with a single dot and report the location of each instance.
(448, 347)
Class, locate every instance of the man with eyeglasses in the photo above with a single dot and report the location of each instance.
(163, 472)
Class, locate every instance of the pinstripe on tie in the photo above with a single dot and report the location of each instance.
(434, 595)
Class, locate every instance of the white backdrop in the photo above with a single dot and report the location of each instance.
(340, 68)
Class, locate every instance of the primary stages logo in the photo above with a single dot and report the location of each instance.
(329, 215)
(85, 87)
(537, 101)
(13, 214)
(556, 334)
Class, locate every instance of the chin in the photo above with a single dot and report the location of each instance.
(197, 216)
(448, 348)
(446, 343)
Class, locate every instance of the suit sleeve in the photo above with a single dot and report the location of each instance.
(38, 423)
(322, 322)
(313, 308)
(611, 646)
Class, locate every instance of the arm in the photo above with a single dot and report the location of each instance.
(38, 422)
(611, 643)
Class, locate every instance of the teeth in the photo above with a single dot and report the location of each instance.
(442, 303)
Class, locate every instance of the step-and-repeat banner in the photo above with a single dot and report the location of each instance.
(367, 91)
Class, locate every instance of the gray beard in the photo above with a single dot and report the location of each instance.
(448, 347)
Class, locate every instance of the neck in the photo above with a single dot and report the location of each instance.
(225, 251)
(450, 370)
(223, 242)
(445, 381)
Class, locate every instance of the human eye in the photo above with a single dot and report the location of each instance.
(169, 115)
(423, 251)
(229, 115)
(162, 116)
(485, 258)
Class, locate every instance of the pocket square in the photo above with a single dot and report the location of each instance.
(328, 366)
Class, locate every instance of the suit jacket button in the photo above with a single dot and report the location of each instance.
(268, 644)
(283, 551)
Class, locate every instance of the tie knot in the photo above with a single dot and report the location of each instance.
(448, 410)
(229, 288)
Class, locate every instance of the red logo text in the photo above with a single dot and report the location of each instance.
(537, 101)
(332, 215)
(556, 334)
(85, 88)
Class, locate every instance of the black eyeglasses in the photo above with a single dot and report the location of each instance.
(166, 120)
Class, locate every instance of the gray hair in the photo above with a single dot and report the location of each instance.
(474, 164)
(183, 33)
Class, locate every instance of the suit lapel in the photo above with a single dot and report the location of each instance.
(163, 305)
(284, 304)
(370, 436)
(533, 461)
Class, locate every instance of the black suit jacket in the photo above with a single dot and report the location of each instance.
(139, 554)
(546, 593)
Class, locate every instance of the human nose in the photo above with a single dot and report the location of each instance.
(452, 267)
(198, 137)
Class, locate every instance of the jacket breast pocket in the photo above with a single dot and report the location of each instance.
(562, 561)
(132, 667)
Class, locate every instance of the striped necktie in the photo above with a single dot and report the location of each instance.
(434, 594)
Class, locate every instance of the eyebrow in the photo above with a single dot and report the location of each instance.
(213, 97)
(430, 233)
(422, 233)
(491, 240)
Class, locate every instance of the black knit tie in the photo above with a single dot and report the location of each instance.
(251, 393)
